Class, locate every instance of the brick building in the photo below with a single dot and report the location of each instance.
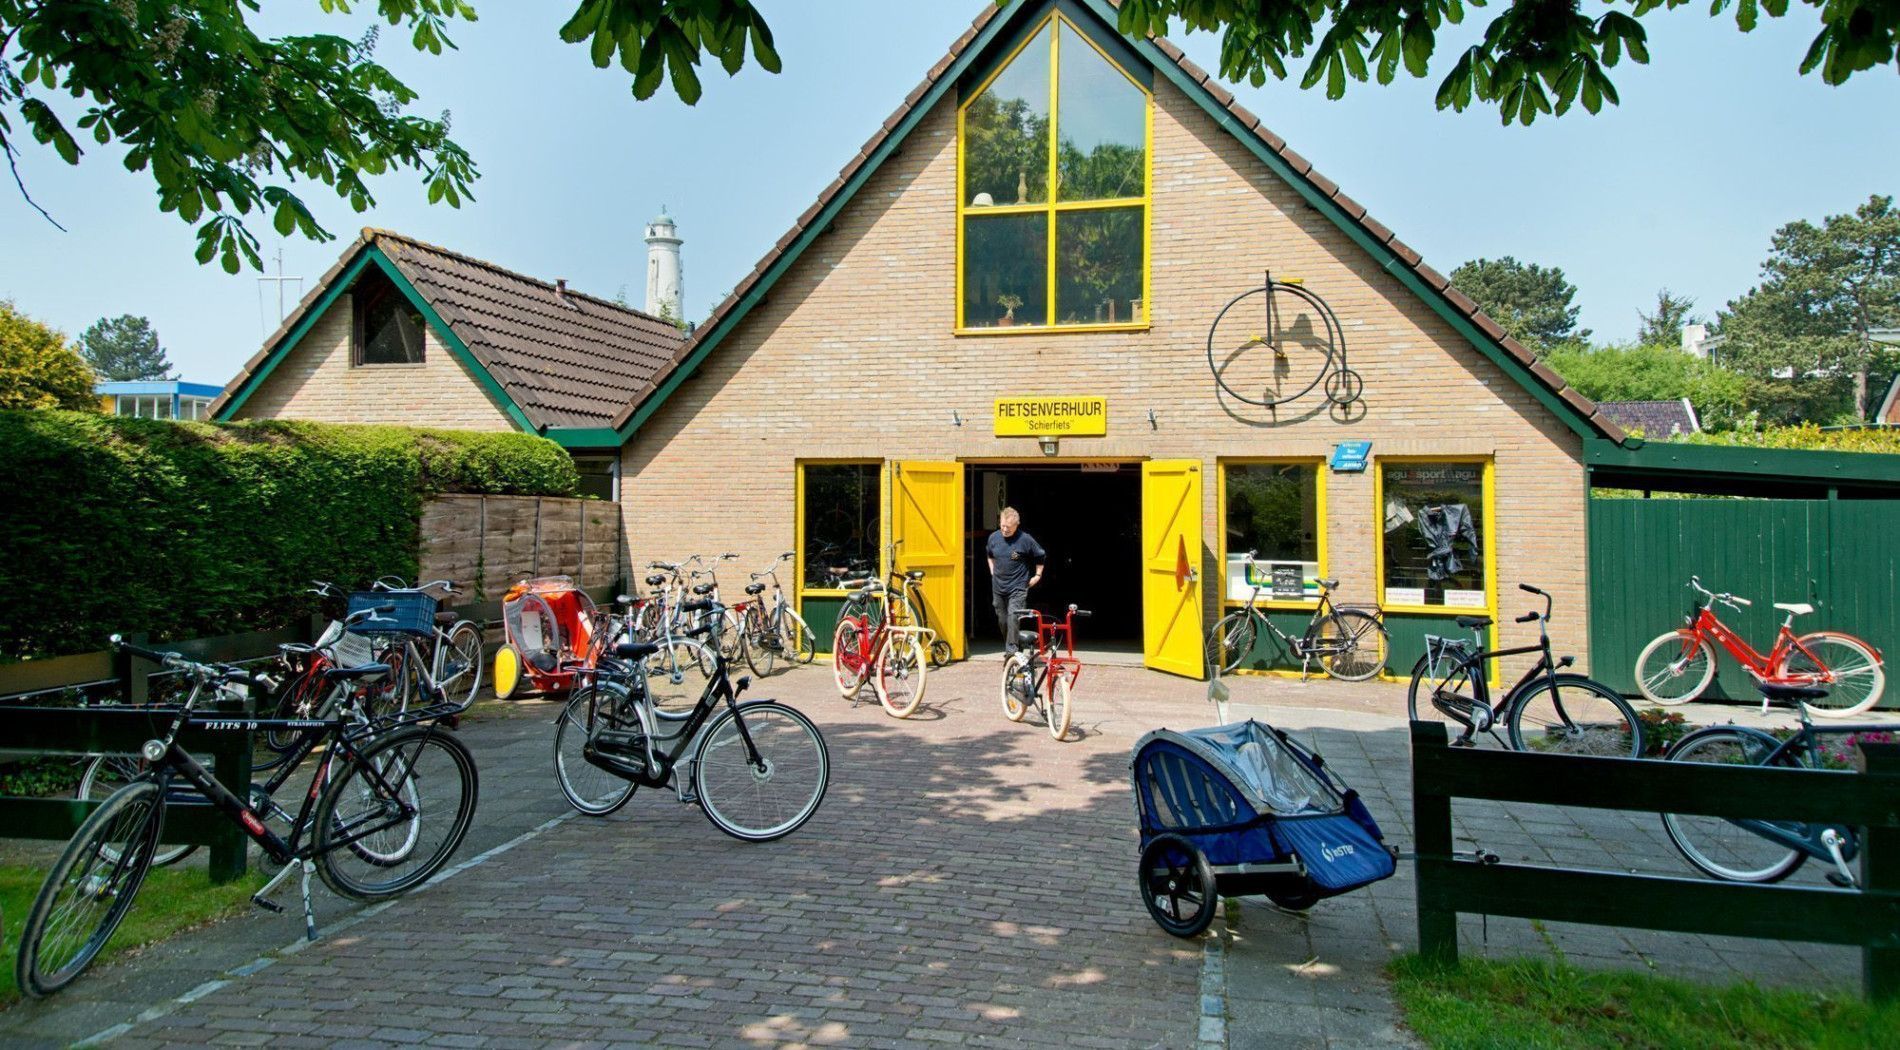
(940, 334)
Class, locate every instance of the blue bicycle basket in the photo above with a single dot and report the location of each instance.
(414, 613)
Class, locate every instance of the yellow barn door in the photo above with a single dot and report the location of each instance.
(927, 534)
(1171, 566)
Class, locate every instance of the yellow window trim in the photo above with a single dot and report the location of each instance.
(1229, 601)
(799, 590)
(1053, 207)
(1490, 607)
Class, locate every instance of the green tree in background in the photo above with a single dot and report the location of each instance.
(224, 119)
(1534, 304)
(1805, 330)
(124, 348)
(1664, 326)
(37, 368)
(1656, 373)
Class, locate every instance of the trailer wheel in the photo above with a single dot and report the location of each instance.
(1177, 885)
(507, 672)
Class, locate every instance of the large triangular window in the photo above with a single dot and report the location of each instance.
(1076, 257)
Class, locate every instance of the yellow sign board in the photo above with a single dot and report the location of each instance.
(1051, 416)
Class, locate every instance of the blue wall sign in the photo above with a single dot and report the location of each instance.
(1351, 456)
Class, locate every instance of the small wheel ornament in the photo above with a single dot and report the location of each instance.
(1344, 386)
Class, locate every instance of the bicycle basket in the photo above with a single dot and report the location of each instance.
(414, 613)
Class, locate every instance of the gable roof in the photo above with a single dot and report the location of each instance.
(992, 25)
(556, 359)
(1659, 420)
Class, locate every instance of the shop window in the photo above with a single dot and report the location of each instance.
(1437, 536)
(387, 329)
(1075, 257)
(1274, 510)
(841, 525)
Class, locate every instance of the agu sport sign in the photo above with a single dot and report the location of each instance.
(1051, 416)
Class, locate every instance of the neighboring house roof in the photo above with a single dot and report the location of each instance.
(154, 386)
(1655, 419)
(558, 360)
(992, 25)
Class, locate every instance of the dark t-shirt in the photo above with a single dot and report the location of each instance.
(1015, 557)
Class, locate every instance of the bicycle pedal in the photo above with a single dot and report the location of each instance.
(268, 905)
(1840, 880)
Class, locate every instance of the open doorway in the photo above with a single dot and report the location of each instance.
(1088, 517)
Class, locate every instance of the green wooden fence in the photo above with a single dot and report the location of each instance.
(1841, 555)
(1868, 919)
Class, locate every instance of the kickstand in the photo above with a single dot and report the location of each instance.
(309, 917)
(262, 897)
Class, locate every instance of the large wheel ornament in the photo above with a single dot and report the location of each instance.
(1275, 344)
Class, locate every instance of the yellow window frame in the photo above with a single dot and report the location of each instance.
(1231, 601)
(1489, 463)
(799, 590)
(1053, 206)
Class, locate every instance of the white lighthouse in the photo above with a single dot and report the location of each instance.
(665, 281)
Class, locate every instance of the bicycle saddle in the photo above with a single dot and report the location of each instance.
(1790, 692)
(756, 588)
(862, 596)
(702, 588)
(1472, 623)
(914, 575)
(635, 650)
(655, 580)
(1027, 639)
(446, 617)
(1331, 585)
(363, 672)
(1797, 608)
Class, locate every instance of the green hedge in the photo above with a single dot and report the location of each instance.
(1808, 436)
(197, 529)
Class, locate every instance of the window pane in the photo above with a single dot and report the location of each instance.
(389, 329)
(1005, 270)
(162, 407)
(1098, 266)
(1102, 124)
(841, 523)
(1006, 133)
(1435, 540)
(1273, 510)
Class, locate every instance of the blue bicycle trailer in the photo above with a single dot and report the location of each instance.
(1244, 809)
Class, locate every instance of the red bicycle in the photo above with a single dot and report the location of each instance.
(1041, 675)
(1678, 666)
(870, 643)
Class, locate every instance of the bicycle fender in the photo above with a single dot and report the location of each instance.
(1765, 739)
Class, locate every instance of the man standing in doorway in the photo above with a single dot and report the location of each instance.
(1015, 566)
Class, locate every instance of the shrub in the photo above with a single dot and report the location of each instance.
(1807, 436)
(193, 529)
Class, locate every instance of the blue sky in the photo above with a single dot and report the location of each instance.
(1717, 142)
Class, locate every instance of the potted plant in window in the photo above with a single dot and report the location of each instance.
(1009, 303)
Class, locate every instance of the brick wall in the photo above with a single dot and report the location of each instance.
(317, 382)
(488, 543)
(853, 355)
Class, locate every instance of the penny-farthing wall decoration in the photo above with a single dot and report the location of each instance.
(1277, 343)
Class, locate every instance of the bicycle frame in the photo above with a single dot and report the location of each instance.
(1708, 628)
(659, 769)
(1047, 664)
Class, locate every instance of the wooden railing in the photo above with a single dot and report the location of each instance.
(1447, 886)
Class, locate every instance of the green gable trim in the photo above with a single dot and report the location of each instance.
(582, 439)
(1661, 462)
(978, 53)
(457, 349)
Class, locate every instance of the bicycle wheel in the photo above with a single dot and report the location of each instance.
(1842, 662)
(848, 663)
(89, 889)
(770, 800)
(1674, 668)
(589, 788)
(799, 642)
(1576, 717)
(1719, 847)
(1357, 645)
(1230, 641)
(1058, 707)
(677, 676)
(1018, 690)
(105, 776)
(1450, 697)
(757, 642)
(901, 670)
(462, 664)
(375, 838)
(1177, 885)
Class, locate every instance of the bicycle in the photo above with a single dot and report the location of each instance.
(771, 628)
(452, 650)
(1039, 674)
(1545, 711)
(360, 826)
(1678, 665)
(875, 643)
(679, 662)
(1350, 643)
(1765, 850)
(758, 770)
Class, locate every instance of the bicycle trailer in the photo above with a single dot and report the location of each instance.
(1244, 809)
(550, 626)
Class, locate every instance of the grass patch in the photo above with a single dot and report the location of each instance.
(172, 900)
(1537, 1003)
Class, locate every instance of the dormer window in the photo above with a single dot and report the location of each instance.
(1077, 257)
(386, 328)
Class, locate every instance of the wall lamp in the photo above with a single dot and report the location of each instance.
(1049, 447)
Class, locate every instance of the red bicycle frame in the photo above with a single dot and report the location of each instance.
(1707, 628)
(1064, 663)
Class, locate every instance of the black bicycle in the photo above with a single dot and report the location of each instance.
(1351, 644)
(758, 769)
(1545, 711)
(390, 800)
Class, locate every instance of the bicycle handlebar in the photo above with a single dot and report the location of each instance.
(1527, 617)
(1695, 582)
